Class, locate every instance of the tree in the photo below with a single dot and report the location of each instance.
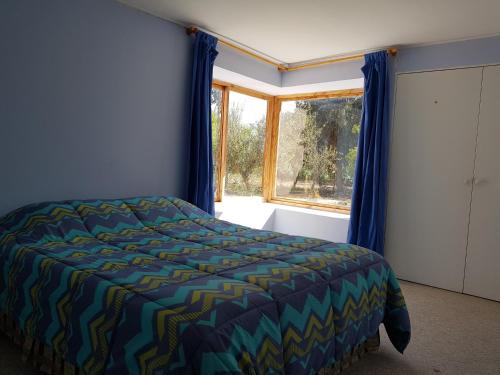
(319, 156)
(216, 109)
(351, 157)
(328, 142)
(328, 138)
(245, 147)
(291, 153)
(317, 148)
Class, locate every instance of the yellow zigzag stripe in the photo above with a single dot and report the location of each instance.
(129, 232)
(266, 357)
(366, 304)
(104, 208)
(153, 282)
(133, 247)
(147, 204)
(55, 215)
(278, 275)
(211, 268)
(165, 255)
(64, 309)
(312, 335)
(56, 242)
(115, 296)
(208, 297)
(10, 237)
(12, 284)
(45, 273)
(146, 357)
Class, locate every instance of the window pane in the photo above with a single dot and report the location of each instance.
(317, 148)
(245, 145)
(216, 130)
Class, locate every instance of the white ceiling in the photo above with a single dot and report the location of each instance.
(301, 30)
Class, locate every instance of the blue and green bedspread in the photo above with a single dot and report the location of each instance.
(153, 285)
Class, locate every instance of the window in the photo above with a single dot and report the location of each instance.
(245, 145)
(317, 148)
(297, 150)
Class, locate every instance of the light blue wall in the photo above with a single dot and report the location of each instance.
(449, 55)
(93, 97)
(333, 72)
(440, 56)
(237, 62)
(93, 102)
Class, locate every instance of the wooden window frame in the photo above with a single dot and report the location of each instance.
(222, 152)
(271, 142)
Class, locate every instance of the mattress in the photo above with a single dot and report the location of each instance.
(154, 285)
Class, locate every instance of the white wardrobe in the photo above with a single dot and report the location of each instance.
(443, 214)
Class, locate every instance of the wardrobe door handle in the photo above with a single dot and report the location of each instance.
(479, 181)
(468, 181)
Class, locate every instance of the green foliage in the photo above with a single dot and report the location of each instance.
(245, 148)
(319, 156)
(216, 108)
(290, 154)
(215, 137)
(351, 156)
(317, 148)
(351, 164)
(316, 153)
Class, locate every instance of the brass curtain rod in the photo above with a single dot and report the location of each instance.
(193, 30)
(286, 68)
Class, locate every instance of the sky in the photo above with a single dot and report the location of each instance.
(254, 108)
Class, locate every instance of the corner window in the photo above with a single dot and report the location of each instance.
(297, 150)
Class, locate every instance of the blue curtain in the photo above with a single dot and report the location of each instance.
(200, 179)
(366, 227)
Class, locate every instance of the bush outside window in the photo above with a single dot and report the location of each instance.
(317, 148)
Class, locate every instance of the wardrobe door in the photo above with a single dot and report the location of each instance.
(430, 175)
(482, 272)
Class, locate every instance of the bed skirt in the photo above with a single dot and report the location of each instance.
(44, 359)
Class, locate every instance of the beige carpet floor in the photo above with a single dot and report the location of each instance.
(452, 334)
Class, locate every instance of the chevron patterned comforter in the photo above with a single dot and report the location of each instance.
(154, 285)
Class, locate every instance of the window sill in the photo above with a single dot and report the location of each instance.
(238, 203)
(254, 213)
(285, 202)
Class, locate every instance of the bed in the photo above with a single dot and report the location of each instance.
(153, 285)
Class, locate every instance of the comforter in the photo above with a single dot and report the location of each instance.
(153, 285)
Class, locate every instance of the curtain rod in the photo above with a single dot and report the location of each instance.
(193, 30)
(288, 68)
(314, 64)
